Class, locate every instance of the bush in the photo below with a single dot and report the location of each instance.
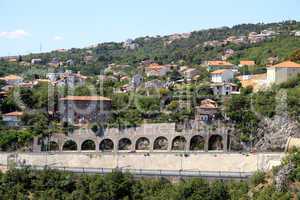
(257, 178)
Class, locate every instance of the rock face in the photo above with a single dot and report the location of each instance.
(281, 178)
(273, 133)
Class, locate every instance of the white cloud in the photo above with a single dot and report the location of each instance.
(17, 34)
(57, 38)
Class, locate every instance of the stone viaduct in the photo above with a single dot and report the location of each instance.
(145, 138)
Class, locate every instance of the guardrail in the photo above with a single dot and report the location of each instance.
(149, 172)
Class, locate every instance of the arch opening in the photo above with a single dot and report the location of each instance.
(197, 143)
(88, 145)
(70, 145)
(106, 145)
(124, 144)
(179, 143)
(215, 143)
(142, 143)
(160, 143)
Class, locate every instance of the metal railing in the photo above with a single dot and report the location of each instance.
(150, 172)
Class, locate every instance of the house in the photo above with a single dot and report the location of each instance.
(281, 72)
(12, 79)
(190, 73)
(84, 109)
(36, 61)
(12, 119)
(207, 110)
(224, 88)
(247, 63)
(219, 64)
(222, 75)
(157, 70)
(257, 82)
(67, 78)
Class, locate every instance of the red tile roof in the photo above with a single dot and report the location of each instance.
(247, 62)
(16, 113)
(287, 64)
(220, 71)
(219, 63)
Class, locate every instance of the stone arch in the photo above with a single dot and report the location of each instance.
(88, 145)
(142, 143)
(124, 144)
(70, 145)
(106, 145)
(215, 143)
(179, 143)
(160, 143)
(197, 143)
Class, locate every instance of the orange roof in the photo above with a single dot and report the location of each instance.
(85, 98)
(219, 63)
(220, 71)
(208, 103)
(287, 64)
(247, 62)
(155, 66)
(11, 77)
(16, 113)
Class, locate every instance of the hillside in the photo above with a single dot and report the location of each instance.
(187, 48)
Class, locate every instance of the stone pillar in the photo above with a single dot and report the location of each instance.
(225, 140)
(116, 145)
(206, 144)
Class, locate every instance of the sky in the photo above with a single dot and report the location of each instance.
(27, 25)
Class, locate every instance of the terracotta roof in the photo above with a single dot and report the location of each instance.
(247, 62)
(11, 77)
(155, 66)
(219, 63)
(85, 98)
(287, 64)
(220, 71)
(208, 103)
(16, 113)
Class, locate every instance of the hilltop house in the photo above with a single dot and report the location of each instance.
(222, 75)
(12, 79)
(157, 70)
(281, 72)
(215, 65)
(12, 119)
(84, 109)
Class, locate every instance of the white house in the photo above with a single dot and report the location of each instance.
(281, 72)
(12, 118)
(224, 88)
(222, 75)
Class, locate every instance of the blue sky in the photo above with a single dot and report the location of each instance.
(25, 24)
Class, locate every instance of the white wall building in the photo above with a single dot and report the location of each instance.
(281, 72)
(222, 75)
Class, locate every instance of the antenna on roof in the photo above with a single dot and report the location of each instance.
(41, 47)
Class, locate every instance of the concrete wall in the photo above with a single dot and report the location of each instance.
(231, 162)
